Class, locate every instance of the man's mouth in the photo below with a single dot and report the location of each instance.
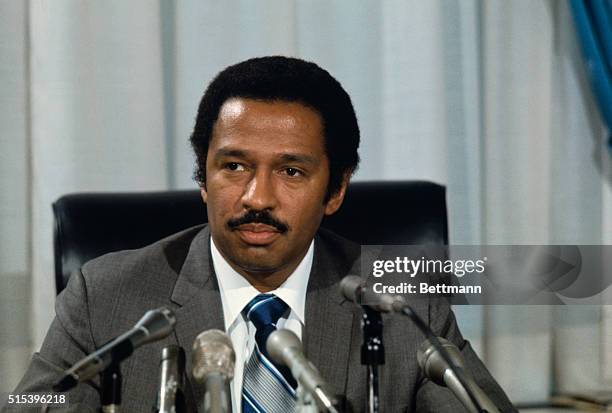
(257, 234)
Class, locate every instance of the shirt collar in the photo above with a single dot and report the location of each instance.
(236, 291)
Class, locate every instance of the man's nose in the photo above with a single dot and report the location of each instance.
(260, 193)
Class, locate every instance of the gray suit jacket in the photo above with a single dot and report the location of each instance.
(110, 294)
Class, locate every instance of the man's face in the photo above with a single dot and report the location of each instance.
(266, 179)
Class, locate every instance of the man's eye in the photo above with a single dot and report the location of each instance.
(234, 166)
(293, 172)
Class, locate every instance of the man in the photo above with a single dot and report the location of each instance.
(276, 143)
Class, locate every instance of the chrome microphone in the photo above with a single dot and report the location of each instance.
(172, 365)
(153, 326)
(353, 288)
(213, 367)
(438, 370)
(286, 348)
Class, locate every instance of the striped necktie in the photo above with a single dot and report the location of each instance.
(266, 387)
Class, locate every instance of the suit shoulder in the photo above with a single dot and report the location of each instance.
(145, 267)
(117, 288)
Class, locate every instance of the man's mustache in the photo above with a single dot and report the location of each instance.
(258, 217)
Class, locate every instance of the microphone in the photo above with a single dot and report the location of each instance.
(438, 370)
(170, 398)
(153, 326)
(285, 348)
(213, 367)
(353, 288)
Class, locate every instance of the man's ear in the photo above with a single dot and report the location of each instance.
(203, 192)
(335, 200)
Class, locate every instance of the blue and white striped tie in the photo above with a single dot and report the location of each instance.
(266, 387)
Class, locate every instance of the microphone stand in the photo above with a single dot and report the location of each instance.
(110, 392)
(372, 354)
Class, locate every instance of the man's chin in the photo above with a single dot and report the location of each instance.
(259, 270)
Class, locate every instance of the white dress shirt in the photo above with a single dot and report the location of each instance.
(236, 292)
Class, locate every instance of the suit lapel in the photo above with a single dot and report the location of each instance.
(329, 320)
(197, 292)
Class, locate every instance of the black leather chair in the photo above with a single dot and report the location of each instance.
(88, 225)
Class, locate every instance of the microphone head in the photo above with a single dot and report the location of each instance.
(432, 363)
(351, 287)
(279, 342)
(354, 289)
(213, 353)
(156, 324)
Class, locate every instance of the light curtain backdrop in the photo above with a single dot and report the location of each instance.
(487, 97)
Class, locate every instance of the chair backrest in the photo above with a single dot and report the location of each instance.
(88, 225)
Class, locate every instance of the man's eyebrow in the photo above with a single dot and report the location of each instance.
(301, 158)
(237, 153)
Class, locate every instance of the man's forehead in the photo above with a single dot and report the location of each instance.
(269, 126)
(270, 113)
